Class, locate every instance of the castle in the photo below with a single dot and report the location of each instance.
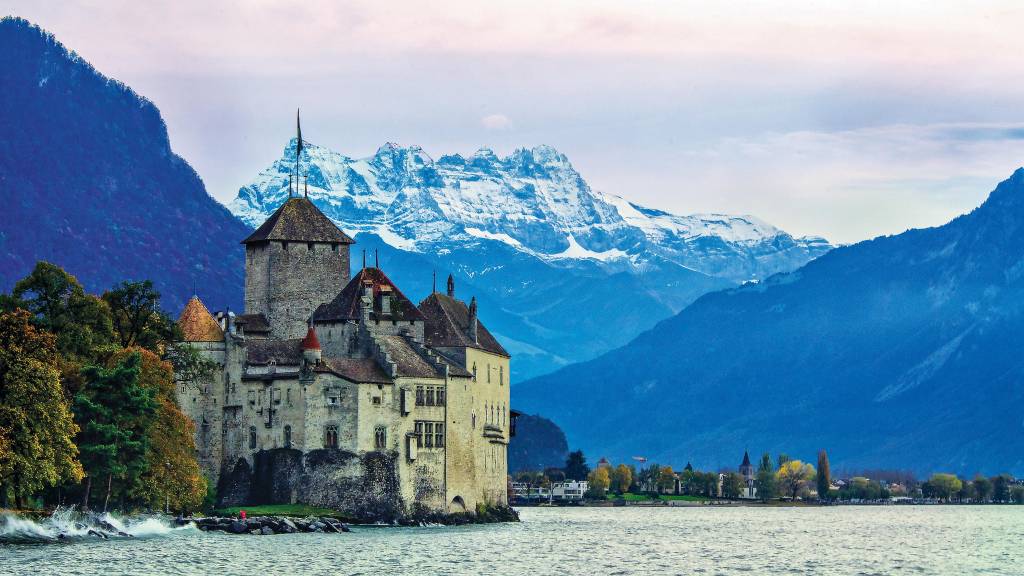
(338, 391)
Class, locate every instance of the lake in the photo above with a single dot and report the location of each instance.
(587, 541)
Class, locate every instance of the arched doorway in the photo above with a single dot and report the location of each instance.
(458, 504)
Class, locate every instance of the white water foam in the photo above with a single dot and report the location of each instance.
(68, 524)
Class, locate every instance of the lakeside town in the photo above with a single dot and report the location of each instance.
(779, 481)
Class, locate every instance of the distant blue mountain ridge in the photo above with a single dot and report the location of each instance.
(904, 352)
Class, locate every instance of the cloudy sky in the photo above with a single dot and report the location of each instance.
(846, 121)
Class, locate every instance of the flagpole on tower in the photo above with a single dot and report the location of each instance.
(298, 148)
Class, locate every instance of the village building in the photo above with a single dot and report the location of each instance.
(339, 391)
(749, 477)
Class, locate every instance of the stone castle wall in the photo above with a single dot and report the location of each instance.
(286, 281)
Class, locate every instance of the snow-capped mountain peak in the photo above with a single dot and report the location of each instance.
(532, 200)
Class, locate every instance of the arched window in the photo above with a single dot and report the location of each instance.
(501, 375)
(474, 371)
(287, 436)
(252, 437)
(331, 436)
(380, 438)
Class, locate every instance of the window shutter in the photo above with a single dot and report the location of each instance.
(411, 448)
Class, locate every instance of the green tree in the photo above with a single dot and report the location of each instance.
(114, 413)
(622, 479)
(36, 426)
(666, 479)
(576, 466)
(944, 486)
(781, 461)
(733, 485)
(1001, 488)
(137, 319)
(982, 488)
(793, 476)
(59, 305)
(767, 487)
(824, 475)
(171, 476)
(598, 482)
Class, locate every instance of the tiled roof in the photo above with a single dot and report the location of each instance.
(447, 325)
(454, 368)
(355, 370)
(311, 342)
(281, 352)
(347, 304)
(300, 221)
(408, 360)
(197, 324)
(253, 322)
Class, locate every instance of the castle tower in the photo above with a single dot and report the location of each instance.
(297, 260)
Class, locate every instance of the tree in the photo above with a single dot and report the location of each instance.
(598, 481)
(172, 477)
(766, 463)
(576, 466)
(1017, 494)
(982, 488)
(59, 305)
(733, 485)
(136, 316)
(36, 426)
(648, 478)
(782, 459)
(114, 413)
(824, 479)
(1001, 488)
(944, 486)
(767, 487)
(622, 479)
(666, 479)
(793, 475)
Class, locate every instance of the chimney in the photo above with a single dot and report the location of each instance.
(473, 323)
(366, 302)
(451, 286)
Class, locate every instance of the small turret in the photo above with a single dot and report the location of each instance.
(451, 286)
(473, 322)
(311, 346)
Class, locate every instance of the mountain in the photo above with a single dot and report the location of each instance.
(538, 444)
(901, 352)
(548, 257)
(88, 181)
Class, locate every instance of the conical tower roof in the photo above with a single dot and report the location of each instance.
(311, 342)
(197, 324)
(298, 220)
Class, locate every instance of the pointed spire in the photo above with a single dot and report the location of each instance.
(451, 286)
(473, 323)
(433, 285)
(364, 258)
(290, 185)
(376, 259)
(305, 186)
(298, 149)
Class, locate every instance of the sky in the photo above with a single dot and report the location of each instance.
(842, 120)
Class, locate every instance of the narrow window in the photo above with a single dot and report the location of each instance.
(252, 437)
(334, 247)
(419, 434)
(288, 396)
(474, 371)
(440, 397)
(428, 434)
(380, 438)
(420, 396)
(488, 373)
(439, 434)
(309, 246)
(284, 246)
(287, 436)
(376, 399)
(430, 395)
(331, 436)
(501, 375)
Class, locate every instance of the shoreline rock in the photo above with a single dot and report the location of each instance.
(270, 525)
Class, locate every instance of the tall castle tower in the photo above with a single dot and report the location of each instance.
(297, 260)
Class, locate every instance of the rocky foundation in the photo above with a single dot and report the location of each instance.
(269, 525)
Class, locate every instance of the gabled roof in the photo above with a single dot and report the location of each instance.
(298, 220)
(347, 305)
(355, 370)
(447, 325)
(197, 324)
(256, 323)
(280, 352)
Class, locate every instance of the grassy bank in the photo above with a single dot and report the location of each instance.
(299, 510)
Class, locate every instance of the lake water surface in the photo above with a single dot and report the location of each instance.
(590, 541)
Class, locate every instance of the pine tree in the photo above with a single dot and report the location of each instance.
(576, 466)
(172, 477)
(824, 476)
(36, 426)
(114, 412)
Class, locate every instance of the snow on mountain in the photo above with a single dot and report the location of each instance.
(532, 200)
